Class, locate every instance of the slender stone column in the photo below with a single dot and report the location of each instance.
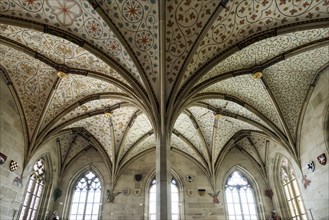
(163, 178)
(163, 166)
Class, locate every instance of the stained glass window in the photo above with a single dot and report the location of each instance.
(34, 191)
(291, 191)
(240, 198)
(174, 201)
(86, 198)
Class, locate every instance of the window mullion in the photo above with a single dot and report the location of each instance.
(86, 199)
(81, 204)
(28, 204)
(241, 208)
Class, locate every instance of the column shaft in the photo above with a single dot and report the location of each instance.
(163, 178)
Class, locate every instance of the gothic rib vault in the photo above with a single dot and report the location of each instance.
(193, 59)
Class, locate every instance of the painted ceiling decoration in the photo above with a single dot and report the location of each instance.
(32, 80)
(244, 19)
(265, 50)
(92, 73)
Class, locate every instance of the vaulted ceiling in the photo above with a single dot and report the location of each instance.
(117, 55)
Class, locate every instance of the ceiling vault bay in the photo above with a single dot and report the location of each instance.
(131, 65)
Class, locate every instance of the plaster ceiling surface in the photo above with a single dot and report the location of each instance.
(234, 108)
(65, 142)
(75, 17)
(226, 128)
(260, 145)
(290, 79)
(72, 89)
(32, 80)
(121, 120)
(99, 127)
(146, 144)
(265, 50)
(251, 91)
(137, 22)
(89, 107)
(243, 19)
(187, 128)
(205, 120)
(182, 146)
(139, 127)
(70, 146)
(185, 21)
(131, 57)
(246, 145)
(58, 50)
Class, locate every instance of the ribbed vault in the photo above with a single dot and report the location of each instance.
(124, 62)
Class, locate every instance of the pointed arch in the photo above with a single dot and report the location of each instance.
(289, 195)
(85, 191)
(242, 195)
(177, 196)
(37, 189)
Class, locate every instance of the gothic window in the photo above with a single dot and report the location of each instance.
(240, 198)
(174, 200)
(291, 191)
(86, 198)
(34, 191)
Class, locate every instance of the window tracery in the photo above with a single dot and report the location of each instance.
(174, 200)
(240, 199)
(86, 199)
(291, 191)
(32, 199)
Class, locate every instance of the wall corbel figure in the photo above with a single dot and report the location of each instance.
(215, 198)
(111, 195)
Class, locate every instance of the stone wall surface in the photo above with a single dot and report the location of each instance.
(313, 143)
(11, 145)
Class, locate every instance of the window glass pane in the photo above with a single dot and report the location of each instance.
(95, 209)
(235, 194)
(245, 209)
(252, 209)
(238, 217)
(249, 195)
(243, 196)
(152, 216)
(89, 208)
(30, 200)
(39, 191)
(228, 194)
(31, 183)
(79, 217)
(27, 197)
(174, 217)
(286, 190)
(90, 196)
(97, 195)
(300, 204)
(231, 217)
(295, 186)
(29, 212)
(81, 208)
(83, 195)
(174, 200)
(239, 198)
(22, 213)
(33, 214)
(291, 191)
(36, 203)
(86, 197)
(237, 209)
